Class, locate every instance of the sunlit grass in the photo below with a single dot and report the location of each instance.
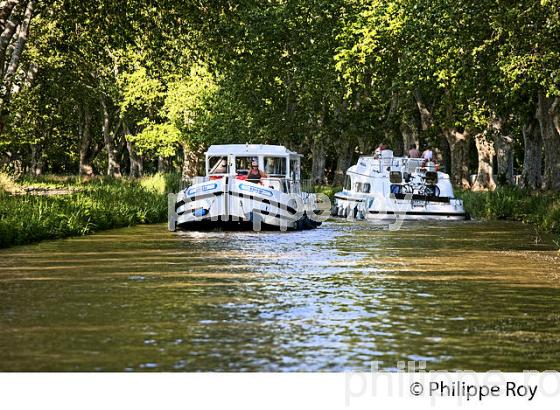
(96, 205)
(328, 190)
(7, 184)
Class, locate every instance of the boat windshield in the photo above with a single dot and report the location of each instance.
(218, 165)
(275, 166)
(243, 165)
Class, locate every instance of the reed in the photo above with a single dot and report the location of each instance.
(541, 209)
(94, 206)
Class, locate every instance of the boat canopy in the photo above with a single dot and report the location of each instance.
(235, 159)
(250, 149)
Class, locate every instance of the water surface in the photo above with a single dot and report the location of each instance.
(470, 295)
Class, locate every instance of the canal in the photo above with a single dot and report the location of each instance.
(470, 295)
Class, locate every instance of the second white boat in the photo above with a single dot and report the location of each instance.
(389, 188)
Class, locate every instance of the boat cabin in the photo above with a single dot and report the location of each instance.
(280, 164)
(387, 174)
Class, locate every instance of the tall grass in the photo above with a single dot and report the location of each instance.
(7, 184)
(541, 209)
(162, 183)
(328, 190)
(97, 205)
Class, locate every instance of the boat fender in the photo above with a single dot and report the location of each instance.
(340, 211)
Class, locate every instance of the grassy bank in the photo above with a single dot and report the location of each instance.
(328, 190)
(87, 207)
(537, 208)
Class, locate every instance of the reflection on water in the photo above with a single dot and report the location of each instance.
(459, 296)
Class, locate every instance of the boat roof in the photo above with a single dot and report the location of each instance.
(250, 149)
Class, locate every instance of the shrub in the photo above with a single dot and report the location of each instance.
(541, 209)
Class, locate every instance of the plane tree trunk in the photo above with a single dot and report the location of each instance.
(503, 145)
(410, 133)
(6, 8)
(191, 160)
(17, 28)
(113, 168)
(319, 155)
(86, 159)
(345, 151)
(15, 19)
(484, 180)
(547, 115)
(36, 165)
(532, 161)
(136, 161)
(459, 172)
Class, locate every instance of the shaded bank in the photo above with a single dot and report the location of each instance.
(541, 209)
(89, 207)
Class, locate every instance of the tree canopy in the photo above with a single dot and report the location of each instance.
(122, 88)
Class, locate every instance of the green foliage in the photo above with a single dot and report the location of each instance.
(328, 190)
(158, 139)
(537, 208)
(187, 97)
(162, 183)
(98, 205)
(336, 77)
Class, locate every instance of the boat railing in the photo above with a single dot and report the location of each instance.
(278, 184)
(190, 181)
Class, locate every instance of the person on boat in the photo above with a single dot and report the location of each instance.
(221, 168)
(413, 152)
(382, 147)
(255, 174)
(428, 154)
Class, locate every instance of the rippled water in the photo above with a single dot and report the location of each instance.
(475, 296)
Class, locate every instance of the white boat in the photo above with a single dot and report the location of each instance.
(225, 198)
(385, 187)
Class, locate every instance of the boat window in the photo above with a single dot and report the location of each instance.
(217, 165)
(243, 165)
(275, 166)
(358, 187)
(366, 188)
(348, 183)
(294, 169)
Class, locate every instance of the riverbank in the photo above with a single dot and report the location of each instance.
(53, 207)
(540, 209)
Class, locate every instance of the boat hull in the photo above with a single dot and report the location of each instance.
(231, 204)
(407, 209)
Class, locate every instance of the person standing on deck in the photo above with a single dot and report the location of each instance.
(255, 174)
(413, 152)
(382, 147)
(428, 154)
